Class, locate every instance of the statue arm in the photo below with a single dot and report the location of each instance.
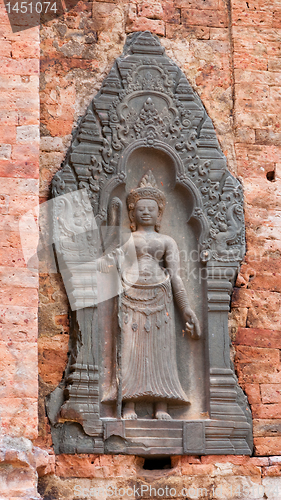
(172, 262)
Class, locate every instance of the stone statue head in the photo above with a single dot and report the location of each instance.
(147, 190)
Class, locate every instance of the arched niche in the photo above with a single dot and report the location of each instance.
(147, 117)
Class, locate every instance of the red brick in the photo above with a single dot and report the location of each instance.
(17, 187)
(197, 469)
(190, 459)
(6, 48)
(233, 459)
(170, 14)
(210, 18)
(52, 358)
(253, 18)
(59, 127)
(271, 393)
(19, 296)
(10, 332)
(259, 461)
(264, 307)
(10, 239)
(23, 49)
(143, 24)
(253, 393)
(267, 428)
(19, 67)
(183, 32)
(257, 77)
(245, 354)
(253, 5)
(95, 466)
(151, 10)
(262, 373)
(258, 338)
(272, 471)
(198, 4)
(17, 368)
(25, 170)
(76, 466)
(264, 136)
(246, 470)
(13, 257)
(266, 411)
(19, 417)
(267, 445)
(250, 61)
(18, 315)
(276, 22)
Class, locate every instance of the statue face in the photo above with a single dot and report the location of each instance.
(146, 212)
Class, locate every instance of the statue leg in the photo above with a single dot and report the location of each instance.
(161, 412)
(129, 411)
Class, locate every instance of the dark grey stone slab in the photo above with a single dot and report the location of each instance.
(146, 182)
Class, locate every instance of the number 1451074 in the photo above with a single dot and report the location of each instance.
(31, 7)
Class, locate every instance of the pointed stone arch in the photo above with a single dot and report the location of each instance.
(146, 102)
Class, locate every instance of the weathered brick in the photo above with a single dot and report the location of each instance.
(246, 470)
(197, 469)
(233, 459)
(266, 411)
(253, 393)
(52, 358)
(274, 470)
(151, 10)
(59, 127)
(257, 77)
(19, 417)
(263, 373)
(259, 338)
(253, 18)
(270, 393)
(19, 296)
(17, 187)
(276, 22)
(13, 258)
(19, 67)
(17, 368)
(143, 24)
(5, 151)
(252, 5)
(267, 445)
(265, 136)
(245, 354)
(23, 49)
(198, 4)
(210, 18)
(27, 169)
(267, 427)
(183, 32)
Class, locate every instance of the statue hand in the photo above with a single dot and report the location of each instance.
(105, 264)
(191, 324)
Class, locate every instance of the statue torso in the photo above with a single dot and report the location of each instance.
(150, 250)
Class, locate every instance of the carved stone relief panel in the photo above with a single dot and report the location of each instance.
(149, 232)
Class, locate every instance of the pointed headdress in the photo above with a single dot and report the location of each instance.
(147, 190)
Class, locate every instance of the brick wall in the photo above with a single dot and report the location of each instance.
(230, 52)
(19, 172)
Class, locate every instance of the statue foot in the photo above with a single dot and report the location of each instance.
(162, 415)
(161, 412)
(129, 412)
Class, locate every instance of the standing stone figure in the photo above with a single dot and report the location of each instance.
(149, 366)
